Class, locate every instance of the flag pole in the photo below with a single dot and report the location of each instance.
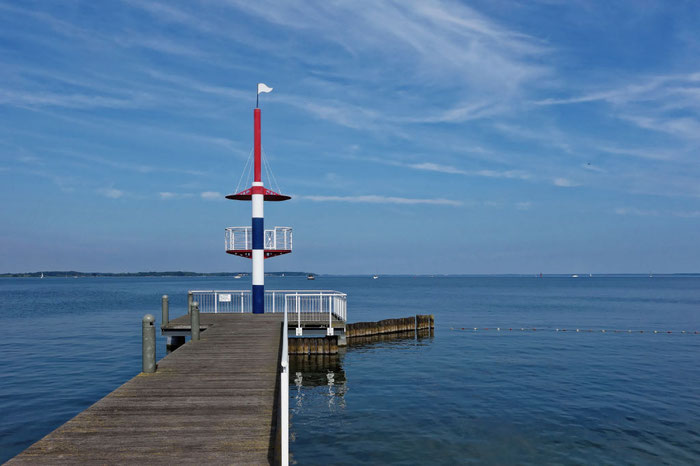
(257, 97)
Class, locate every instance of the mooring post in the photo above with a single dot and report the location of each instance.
(164, 304)
(194, 321)
(189, 302)
(148, 343)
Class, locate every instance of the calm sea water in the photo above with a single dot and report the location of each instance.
(457, 397)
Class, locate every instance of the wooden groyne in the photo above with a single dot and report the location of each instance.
(321, 345)
(387, 326)
(213, 401)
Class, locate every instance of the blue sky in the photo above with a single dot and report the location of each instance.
(414, 136)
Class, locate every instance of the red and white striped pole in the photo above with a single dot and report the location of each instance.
(258, 225)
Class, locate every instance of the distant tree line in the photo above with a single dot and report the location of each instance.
(73, 273)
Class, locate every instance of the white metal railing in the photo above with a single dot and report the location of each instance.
(306, 305)
(284, 397)
(241, 238)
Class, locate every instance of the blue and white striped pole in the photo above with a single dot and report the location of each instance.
(258, 227)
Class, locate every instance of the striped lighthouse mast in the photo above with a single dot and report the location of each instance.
(255, 247)
(258, 223)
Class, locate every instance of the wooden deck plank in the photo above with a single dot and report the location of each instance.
(211, 401)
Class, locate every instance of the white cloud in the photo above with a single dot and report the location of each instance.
(684, 127)
(211, 195)
(374, 199)
(687, 214)
(435, 167)
(593, 168)
(564, 182)
(653, 154)
(111, 193)
(52, 99)
(656, 213)
(635, 211)
(166, 195)
(523, 205)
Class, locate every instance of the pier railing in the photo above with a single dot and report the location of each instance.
(302, 305)
(241, 239)
(284, 397)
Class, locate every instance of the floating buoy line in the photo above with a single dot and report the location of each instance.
(577, 330)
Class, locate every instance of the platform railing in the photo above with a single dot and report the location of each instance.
(241, 238)
(284, 397)
(306, 305)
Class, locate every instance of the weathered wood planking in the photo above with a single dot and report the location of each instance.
(210, 402)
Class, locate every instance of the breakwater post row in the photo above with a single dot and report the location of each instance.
(324, 345)
(404, 324)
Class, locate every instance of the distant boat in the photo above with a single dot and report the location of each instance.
(574, 276)
(310, 277)
(42, 275)
(374, 277)
(237, 276)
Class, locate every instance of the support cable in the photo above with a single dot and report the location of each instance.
(271, 174)
(245, 168)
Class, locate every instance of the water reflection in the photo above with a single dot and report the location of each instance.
(321, 380)
(421, 336)
(324, 375)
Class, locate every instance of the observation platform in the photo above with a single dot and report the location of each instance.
(277, 241)
(311, 313)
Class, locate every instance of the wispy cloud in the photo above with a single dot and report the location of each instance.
(123, 165)
(656, 213)
(168, 196)
(664, 103)
(430, 166)
(565, 183)
(593, 168)
(374, 199)
(111, 193)
(687, 213)
(211, 196)
(684, 127)
(644, 89)
(78, 101)
(644, 153)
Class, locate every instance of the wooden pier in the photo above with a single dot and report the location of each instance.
(212, 401)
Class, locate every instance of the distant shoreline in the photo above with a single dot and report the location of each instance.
(72, 273)
(76, 274)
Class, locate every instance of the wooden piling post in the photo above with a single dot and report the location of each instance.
(194, 321)
(148, 344)
(165, 318)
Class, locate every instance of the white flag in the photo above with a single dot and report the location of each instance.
(263, 88)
